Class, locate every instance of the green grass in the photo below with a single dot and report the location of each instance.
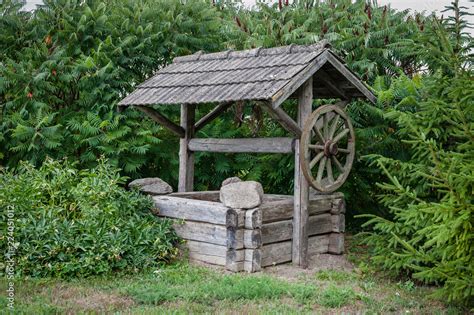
(182, 289)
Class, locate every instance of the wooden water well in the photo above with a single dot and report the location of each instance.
(249, 239)
(322, 142)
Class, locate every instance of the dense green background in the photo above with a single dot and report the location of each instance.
(64, 67)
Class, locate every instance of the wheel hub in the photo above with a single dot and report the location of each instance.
(330, 148)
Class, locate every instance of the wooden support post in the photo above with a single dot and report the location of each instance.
(301, 186)
(186, 157)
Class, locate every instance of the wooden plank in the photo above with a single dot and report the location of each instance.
(338, 223)
(195, 210)
(277, 253)
(282, 209)
(253, 219)
(301, 78)
(210, 233)
(214, 260)
(277, 210)
(301, 186)
(317, 206)
(336, 243)
(338, 206)
(253, 260)
(235, 266)
(162, 120)
(186, 157)
(317, 224)
(213, 114)
(212, 195)
(351, 77)
(235, 260)
(277, 231)
(283, 119)
(242, 145)
(207, 248)
(252, 238)
(318, 244)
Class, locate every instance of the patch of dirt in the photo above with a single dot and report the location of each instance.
(87, 300)
(316, 263)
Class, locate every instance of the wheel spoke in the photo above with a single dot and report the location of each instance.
(316, 146)
(344, 150)
(338, 164)
(318, 134)
(334, 127)
(329, 171)
(316, 160)
(321, 169)
(341, 135)
(325, 126)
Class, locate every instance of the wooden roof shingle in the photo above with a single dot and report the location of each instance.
(255, 74)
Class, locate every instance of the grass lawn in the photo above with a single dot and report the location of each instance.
(182, 288)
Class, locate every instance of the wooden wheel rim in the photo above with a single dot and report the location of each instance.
(327, 148)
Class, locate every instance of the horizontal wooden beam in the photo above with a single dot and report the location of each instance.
(245, 145)
(213, 114)
(162, 120)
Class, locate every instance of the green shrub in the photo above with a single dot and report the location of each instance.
(430, 196)
(78, 223)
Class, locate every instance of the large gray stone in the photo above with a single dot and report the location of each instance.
(230, 180)
(152, 186)
(243, 195)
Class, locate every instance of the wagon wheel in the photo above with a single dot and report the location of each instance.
(327, 148)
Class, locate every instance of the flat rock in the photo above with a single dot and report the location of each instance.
(242, 195)
(152, 186)
(230, 180)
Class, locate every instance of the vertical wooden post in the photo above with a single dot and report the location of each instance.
(186, 157)
(301, 194)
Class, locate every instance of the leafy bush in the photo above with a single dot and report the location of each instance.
(78, 223)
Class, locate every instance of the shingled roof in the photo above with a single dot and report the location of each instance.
(256, 74)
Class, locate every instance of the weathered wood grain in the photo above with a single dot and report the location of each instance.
(301, 185)
(210, 233)
(206, 248)
(336, 243)
(242, 145)
(338, 206)
(252, 238)
(277, 231)
(186, 157)
(210, 259)
(195, 210)
(277, 253)
(253, 260)
(212, 195)
(253, 219)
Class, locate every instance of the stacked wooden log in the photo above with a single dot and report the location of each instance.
(248, 239)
